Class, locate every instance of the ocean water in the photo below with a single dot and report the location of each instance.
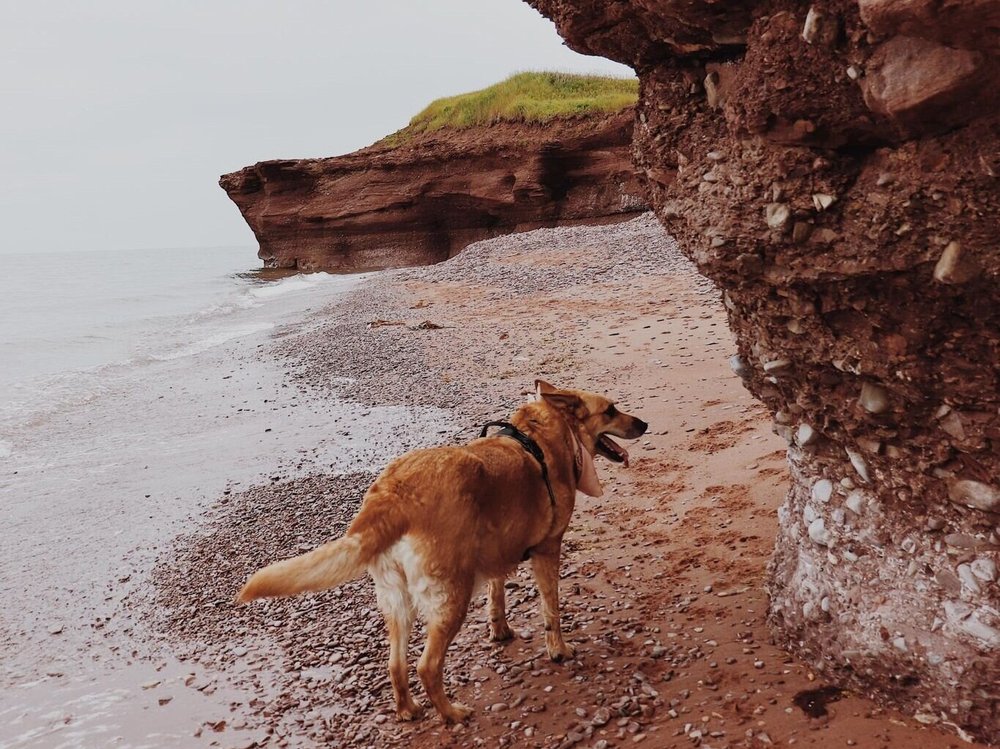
(135, 387)
(65, 318)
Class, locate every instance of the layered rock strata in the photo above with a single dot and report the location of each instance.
(422, 199)
(833, 167)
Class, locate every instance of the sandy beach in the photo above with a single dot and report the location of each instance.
(662, 577)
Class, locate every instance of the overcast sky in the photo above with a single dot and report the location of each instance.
(118, 117)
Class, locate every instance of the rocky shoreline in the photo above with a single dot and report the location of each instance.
(662, 578)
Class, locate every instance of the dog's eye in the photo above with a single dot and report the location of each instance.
(611, 411)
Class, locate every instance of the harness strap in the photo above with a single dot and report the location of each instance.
(509, 430)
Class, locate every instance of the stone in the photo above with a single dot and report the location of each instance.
(869, 445)
(985, 569)
(975, 494)
(806, 435)
(918, 83)
(974, 24)
(873, 398)
(949, 581)
(963, 541)
(952, 425)
(968, 579)
(818, 532)
(739, 367)
(822, 201)
(822, 490)
(955, 266)
(859, 463)
(809, 513)
(801, 231)
(712, 94)
(855, 502)
(820, 28)
(976, 627)
(774, 366)
(777, 215)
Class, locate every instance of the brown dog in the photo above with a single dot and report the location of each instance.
(438, 522)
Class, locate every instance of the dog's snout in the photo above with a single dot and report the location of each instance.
(638, 429)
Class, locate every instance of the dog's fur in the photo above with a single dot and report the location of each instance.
(437, 522)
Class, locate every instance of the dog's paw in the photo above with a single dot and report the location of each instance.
(561, 652)
(501, 632)
(413, 711)
(456, 713)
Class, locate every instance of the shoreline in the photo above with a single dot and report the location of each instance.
(662, 577)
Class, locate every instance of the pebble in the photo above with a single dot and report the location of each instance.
(873, 398)
(975, 494)
(601, 717)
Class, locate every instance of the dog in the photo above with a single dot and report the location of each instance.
(438, 522)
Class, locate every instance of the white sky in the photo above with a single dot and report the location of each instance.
(118, 116)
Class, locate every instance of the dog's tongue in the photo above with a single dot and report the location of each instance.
(614, 447)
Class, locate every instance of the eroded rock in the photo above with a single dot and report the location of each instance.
(423, 200)
(851, 223)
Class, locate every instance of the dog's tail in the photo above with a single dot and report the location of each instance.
(379, 525)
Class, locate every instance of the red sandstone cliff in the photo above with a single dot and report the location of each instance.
(424, 200)
(833, 166)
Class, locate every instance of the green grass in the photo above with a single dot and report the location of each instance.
(527, 97)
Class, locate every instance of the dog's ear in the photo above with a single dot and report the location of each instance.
(568, 402)
(543, 388)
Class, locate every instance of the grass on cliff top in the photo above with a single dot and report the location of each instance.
(526, 97)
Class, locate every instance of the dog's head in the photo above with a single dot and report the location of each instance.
(594, 418)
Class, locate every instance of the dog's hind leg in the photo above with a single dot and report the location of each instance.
(399, 672)
(396, 606)
(545, 565)
(441, 630)
(499, 629)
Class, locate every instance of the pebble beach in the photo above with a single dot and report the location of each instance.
(662, 576)
(662, 579)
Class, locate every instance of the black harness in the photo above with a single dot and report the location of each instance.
(509, 430)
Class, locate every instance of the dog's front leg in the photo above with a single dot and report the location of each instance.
(499, 629)
(545, 565)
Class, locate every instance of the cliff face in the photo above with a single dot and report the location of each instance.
(833, 167)
(424, 200)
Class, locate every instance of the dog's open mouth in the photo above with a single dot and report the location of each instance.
(612, 450)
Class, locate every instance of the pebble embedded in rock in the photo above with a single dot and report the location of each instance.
(984, 568)
(806, 435)
(975, 494)
(777, 215)
(873, 398)
(859, 463)
(818, 532)
(822, 490)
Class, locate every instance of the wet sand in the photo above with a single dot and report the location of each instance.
(662, 582)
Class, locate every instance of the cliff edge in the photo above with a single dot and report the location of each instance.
(461, 172)
(833, 167)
